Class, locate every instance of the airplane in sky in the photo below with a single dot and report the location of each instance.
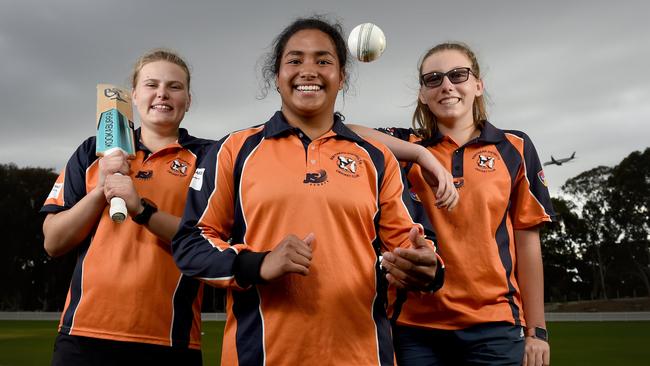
(560, 161)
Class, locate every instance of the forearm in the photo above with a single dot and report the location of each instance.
(403, 150)
(64, 230)
(530, 276)
(164, 225)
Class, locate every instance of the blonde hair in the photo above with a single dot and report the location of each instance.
(424, 121)
(159, 54)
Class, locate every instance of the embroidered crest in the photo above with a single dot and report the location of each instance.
(486, 161)
(347, 164)
(179, 167)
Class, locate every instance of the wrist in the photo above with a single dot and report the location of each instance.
(421, 154)
(537, 333)
(144, 214)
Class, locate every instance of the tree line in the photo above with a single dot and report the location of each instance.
(598, 249)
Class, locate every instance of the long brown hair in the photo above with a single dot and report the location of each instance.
(424, 121)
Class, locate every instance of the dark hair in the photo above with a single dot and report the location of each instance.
(159, 54)
(271, 63)
(424, 121)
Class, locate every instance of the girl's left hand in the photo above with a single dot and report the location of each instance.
(538, 352)
(122, 186)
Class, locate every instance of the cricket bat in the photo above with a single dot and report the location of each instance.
(115, 132)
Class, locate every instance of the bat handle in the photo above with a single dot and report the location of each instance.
(118, 209)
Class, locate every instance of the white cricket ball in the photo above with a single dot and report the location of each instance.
(366, 42)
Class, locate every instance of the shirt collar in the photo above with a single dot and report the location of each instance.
(277, 126)
(489, 134)
(185, 140)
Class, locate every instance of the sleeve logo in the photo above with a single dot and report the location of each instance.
(542, 178)
(54, 193)
(197, 179)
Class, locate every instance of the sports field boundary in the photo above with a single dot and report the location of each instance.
(41, 315)
(550, 317)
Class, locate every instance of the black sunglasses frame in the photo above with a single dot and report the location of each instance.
(443, 74)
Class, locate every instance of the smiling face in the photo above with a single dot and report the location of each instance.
(450, 103)
(161, 95)
(310, 75)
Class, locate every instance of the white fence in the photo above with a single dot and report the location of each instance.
(598, 317)
(36, 315)
(550, 317)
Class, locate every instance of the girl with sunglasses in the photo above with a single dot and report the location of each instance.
(491, 309)
(309, 208)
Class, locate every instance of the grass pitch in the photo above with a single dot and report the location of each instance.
(25, 343)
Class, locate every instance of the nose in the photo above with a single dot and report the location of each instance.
(446, 83)
(161, 92)
(308, 70)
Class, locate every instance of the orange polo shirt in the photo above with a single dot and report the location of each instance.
(270, 181)
(125, 285)
(502, 188)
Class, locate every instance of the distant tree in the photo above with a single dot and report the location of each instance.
(562, 280)
(590, 191)
(30, 280)
(630, 211)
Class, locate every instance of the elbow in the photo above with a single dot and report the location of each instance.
(51, 241)
(53, 247)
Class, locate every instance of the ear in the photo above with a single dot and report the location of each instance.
(189, 102)
(133, 94)
(342, 80)
(421, 96)
(479, 87)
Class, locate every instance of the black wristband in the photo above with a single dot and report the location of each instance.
(143, 217)
(246, 268)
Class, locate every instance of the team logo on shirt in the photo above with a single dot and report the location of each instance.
(542, 178)
(347, 164)
(316, 179)
(178, 167)
(485, 161)
(144, 174)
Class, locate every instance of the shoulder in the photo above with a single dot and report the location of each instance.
(85, 154)
(406, 134)
(520, 140)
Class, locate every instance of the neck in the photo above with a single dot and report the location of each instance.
(155, 140)
(314, 126)
(460, 132)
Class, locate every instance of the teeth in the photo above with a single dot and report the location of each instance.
(449, 101)
(161, 107)
(308, 87)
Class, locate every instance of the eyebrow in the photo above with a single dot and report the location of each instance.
(168, 82)
(302, 53)
(453, 68)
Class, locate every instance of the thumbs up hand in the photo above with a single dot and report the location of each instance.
(291, 255)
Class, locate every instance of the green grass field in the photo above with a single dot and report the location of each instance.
(25, 343)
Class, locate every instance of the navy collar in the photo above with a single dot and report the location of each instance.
(184, 139)
(489, 134)
(278, 126)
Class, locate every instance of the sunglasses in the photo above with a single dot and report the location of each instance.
(455, 76)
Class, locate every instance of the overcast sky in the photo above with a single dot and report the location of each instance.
(573, 75)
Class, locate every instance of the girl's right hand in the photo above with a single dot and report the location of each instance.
(440, 180)
(116, 162)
